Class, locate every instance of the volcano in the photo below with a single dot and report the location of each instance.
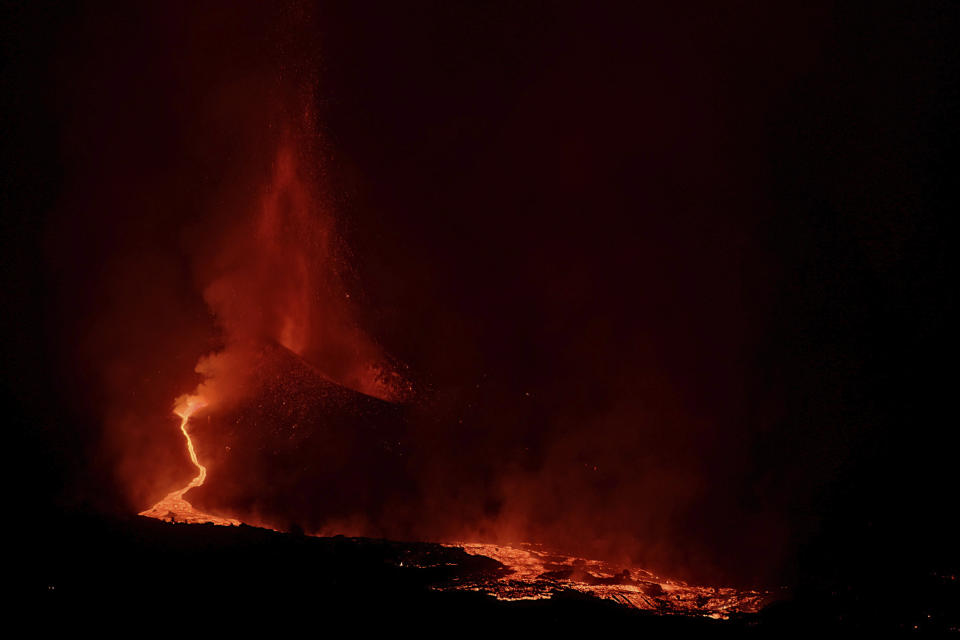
(299, 450)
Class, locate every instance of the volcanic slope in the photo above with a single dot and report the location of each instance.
(300, 451)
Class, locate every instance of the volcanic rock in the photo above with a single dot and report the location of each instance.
(301, 451)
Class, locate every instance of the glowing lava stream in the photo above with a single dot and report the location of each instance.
(534, 573)
(174, 507)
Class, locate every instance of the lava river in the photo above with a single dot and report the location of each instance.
(532, 572)
(174, 507)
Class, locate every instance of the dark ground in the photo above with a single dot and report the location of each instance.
(169, 576)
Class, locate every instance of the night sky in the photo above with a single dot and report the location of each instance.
(668, 283)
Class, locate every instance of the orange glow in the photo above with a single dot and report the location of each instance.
(534, 573)
(271, 276)
(174, 507)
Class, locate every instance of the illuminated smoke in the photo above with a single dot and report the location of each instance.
(274, 280)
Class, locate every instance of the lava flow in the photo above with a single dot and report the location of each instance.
(174, 507)
(531, 572)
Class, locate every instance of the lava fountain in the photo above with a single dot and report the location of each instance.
(174, 507)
